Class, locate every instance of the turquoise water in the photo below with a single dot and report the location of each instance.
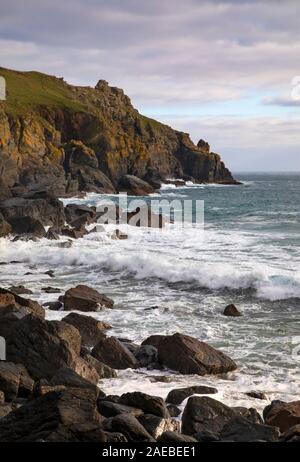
(182, 279)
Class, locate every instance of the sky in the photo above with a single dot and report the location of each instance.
(224, 71)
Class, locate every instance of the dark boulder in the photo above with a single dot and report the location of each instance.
(231, 310)
(188, 355)
(156, 426)
(20, 290)
(240, 429)
(292, 435)
(129, 426)
(84, 298)
(282, 415)
(83, 212)
(250, 414)
(205, 414)
(146, 355)
(178, 395)
(149, 404)
(170, 437)
(154, 340)
(5, 227)
(134, 186)
(256, 395)
(104, 371)
(70, 379)
(43, 346)
(27, 225)
(14, 380)
(112, 352)
(91, 330)
(64, 416)
(33, 306)
(110, 409)
(173, 410)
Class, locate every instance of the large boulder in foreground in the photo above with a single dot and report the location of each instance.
(15, 381)
(42, 346)
(65, 416)
(242, 430)
(282, 415)
(84, 298)
(91, 330)
(188, 355)
(112, 352)
(205, 414)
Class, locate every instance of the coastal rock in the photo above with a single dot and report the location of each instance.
(231, 310)
(129, 426)
(173, 410)
(282, 415)
(77, 211)
(91, 330)
(188, 355)
(104, 371)
(14, 380)
(70, 379)
(156, 426)
(250, 414)
(205, 414)
(178, 395)
(20, 290)
(149, 404)
(74, 233)
(203, 146)
(206, 436)
(292, 435)
(170, 437)
(72, 416)
(31, 305)
(256, 395)
(134, 186)
(42, 346)
(114, 353)
(84, 298)
(5, 227)
(146, 355)
(154, 340)
(239, 429)
(5, 408)
(27, 225)
(110, 409)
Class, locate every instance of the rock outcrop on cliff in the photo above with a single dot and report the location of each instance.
(66, 139)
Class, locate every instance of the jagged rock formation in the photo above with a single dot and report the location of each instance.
(66, 139)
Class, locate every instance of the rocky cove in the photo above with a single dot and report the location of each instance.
(56, 141)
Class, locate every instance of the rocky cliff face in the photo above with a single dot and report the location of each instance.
(67, 139)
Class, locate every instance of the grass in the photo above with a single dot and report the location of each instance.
(28, 90)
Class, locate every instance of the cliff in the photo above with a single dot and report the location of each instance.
(66, 139)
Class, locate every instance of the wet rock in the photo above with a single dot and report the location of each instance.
(146, 355)
(149, 404)
(70, 379)
(84, 298)
(64, 416)
(74, 233)
(14, 380)
(231, 310)
(240, 429)
(188, 355)
(256, 395)
(20, 290)
(173, 437)
(115, 437)
(110, 409)
(112, 352)
(54, 306)
(129, 426)
(104, 371)
(42, 387)
(27, 225)
(205, 414)
(75, 211)
(206, 436)
(90, 329)
(134, 186)
(18, 301)
(50, 273)
(282, 415)
(51, 290)
(178, 395)
(292, 435)
(53, 233)
(5, 227)
(154, 340)
(156, 426)
(42, 346)
(173, 410)
(250, 414)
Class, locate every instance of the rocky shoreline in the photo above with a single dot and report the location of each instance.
(50, 382)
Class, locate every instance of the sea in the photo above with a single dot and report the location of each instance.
(246, 251)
